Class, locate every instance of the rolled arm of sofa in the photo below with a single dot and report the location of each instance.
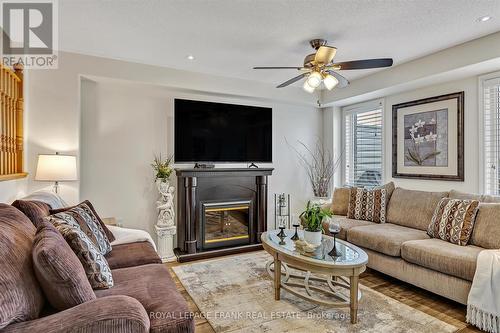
(106, 314)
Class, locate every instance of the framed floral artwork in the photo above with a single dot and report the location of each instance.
(428, 138)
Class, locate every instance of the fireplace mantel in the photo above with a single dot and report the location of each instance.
(219, 186)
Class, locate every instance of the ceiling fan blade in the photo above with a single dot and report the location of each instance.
(298, 68)
(293, 80)
(325, 54)
(364, 64)
(343, 82)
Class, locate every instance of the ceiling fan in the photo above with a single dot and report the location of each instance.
(318, 68)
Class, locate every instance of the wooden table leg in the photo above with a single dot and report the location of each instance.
(354, 298)
(277, 278)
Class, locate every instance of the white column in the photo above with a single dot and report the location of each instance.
(166, 242)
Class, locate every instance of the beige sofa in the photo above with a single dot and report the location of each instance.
(401, 247)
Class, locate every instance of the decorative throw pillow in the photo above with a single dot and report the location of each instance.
(367, 205)
(33, 209)
(84, 216)
(453, 220)
(58, 270)
(95, 265)
(87, 203)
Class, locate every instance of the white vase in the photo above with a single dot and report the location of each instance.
(321, 200)
(313, 237)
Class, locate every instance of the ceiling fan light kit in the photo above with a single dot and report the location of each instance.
(319, 68)
(330, 82)
(314, 79)
(307, 87)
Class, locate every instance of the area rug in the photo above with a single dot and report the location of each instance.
(236, 294)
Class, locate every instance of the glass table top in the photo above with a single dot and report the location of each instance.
(347, 253)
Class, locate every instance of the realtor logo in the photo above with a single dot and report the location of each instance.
(29, 33)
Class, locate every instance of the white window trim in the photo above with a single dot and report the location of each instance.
(362, 107)
(480, 93)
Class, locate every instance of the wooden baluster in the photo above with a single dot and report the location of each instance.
(9, 127)
(7, 123)
(13, 121)
(18, 68)
(2, 123)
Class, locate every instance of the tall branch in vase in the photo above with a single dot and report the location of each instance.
(320, 166)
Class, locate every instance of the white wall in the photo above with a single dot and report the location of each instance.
(11, 190)
(124, 124)
(471, 117)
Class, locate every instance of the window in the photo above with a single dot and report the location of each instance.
(491, 138)
(363, 144)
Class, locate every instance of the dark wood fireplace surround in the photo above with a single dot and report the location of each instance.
(199, 188)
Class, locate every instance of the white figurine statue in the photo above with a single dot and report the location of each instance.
(166, 213)
(165, 226)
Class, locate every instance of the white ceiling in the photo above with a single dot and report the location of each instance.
(229, 37)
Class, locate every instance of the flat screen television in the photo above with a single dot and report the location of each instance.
(218, 132)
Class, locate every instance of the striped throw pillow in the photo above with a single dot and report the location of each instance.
(367, 205)
(453, 220)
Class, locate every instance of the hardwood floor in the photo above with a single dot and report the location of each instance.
(448, 311)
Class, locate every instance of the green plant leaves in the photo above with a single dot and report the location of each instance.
(312, 217)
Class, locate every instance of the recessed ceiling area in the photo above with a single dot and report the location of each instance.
(228, 38)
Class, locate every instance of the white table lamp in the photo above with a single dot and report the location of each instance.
(56, 168)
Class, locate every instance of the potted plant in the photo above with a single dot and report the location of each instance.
(163, 169)
(312, 220)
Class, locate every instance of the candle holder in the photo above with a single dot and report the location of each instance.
(296, 235)
(281, 234)
(334, 253)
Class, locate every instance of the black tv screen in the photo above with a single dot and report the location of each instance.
(217, 132)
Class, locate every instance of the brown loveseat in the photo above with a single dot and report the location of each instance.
(401, 247)
(143, 299)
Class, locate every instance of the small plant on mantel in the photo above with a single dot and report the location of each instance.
(163, 168)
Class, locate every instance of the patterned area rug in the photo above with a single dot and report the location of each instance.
(236, 295)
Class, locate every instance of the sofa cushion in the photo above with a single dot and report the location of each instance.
(367, 205)
(385, 238)
(441, 256)
(453, 220)
(95, 265)
(21, 297)
(470, 196)
(59, 272)
(345, 224)
(340, 201)
(389, 188)
(486, 232)
(132, 254)
(413, 209)
(33, 209)
(89, 221)
(153, 287)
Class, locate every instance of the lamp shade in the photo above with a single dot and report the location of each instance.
(56, 168)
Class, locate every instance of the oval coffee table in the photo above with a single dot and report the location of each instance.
(342, 271)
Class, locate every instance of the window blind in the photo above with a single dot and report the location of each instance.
(491, 130)
(363, 146)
